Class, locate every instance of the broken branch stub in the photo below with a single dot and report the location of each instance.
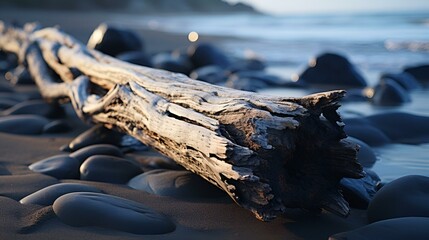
(266, 153)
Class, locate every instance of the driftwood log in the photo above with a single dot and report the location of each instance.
(267, 153)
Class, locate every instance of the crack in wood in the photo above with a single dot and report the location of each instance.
(267, 153)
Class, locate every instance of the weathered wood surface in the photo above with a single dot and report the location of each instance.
(267, 153)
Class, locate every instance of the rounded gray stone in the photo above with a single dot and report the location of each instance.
(404, 197)
(23, 124)
(97, 149)
(59, 166)
(179, 184)
(109, 169)
(48, 195)
(106, 211)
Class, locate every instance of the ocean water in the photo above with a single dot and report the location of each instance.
(376, 43)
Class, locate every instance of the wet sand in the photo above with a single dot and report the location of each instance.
(216, 218)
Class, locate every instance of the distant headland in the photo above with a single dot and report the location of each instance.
(134, 6)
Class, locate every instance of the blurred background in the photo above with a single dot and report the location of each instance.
(375, 35)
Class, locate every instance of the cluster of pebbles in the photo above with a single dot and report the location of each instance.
(395, 210)
(108, 163)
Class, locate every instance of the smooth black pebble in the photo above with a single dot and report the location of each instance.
(404, 197)
(179, 184)
(114, 40)
(48, 195)
(390, 93)
(59, 166)
(106, 211)
(97, 149)
(109, 169)
(23, 124)
(96, 135)
(207, 54)
(331, 69)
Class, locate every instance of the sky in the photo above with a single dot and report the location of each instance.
(337, 6)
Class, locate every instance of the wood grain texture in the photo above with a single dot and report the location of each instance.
(267, 153)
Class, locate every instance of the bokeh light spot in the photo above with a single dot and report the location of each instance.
(193, 36)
